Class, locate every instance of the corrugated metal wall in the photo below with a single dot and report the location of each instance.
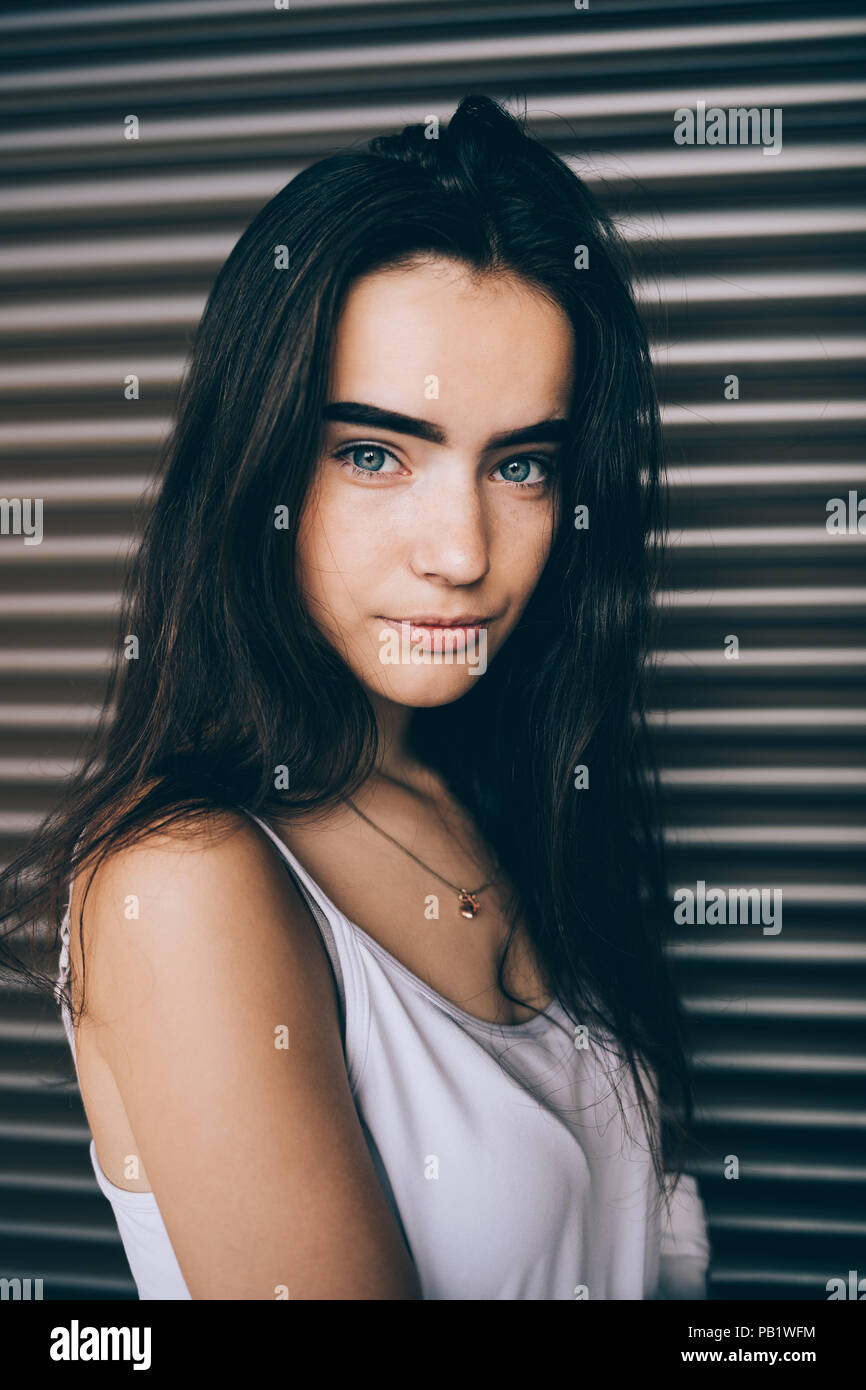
(750, 266)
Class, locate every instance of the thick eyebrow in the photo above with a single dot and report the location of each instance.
(357, 413)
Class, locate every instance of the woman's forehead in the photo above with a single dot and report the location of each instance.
(458, 346)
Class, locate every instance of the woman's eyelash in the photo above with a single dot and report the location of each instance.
(545, 460)
(362, 444)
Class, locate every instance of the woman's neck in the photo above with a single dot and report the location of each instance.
(396, 763)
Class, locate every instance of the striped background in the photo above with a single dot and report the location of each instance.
(748, 265)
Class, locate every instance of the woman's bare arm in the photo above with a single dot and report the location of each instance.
(254, 1151)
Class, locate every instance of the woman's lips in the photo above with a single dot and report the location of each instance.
(437, 636)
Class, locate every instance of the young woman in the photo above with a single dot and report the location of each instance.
(385, 631)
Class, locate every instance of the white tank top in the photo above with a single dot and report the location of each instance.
(500, 1147)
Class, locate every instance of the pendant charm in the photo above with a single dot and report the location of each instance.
(468, 905)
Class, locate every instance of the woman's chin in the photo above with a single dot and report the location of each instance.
(425, 686)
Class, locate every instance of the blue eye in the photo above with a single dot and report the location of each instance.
(373, 456)
(366, 449)
(523, 464)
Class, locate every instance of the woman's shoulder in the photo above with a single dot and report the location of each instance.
(198, 886)
(172, 844)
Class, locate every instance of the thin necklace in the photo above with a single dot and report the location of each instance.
(467, 902)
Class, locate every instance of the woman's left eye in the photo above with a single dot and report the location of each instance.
(372, 454)
(523, 464)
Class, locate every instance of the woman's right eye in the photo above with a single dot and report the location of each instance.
(373, 459)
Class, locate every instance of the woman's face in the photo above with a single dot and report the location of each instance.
(443, 517)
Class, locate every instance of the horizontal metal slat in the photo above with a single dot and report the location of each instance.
(63, 550)
(55, 662)
(44, 1132)
(90, 605)
(777, 658)
(62, 436)
(47, 716)
(760, 597)
(32, 318)
(237, 187)
(25, 1080)
(63, 1275)
(788, 1223)
(781, 1117)
(802, 780)
(355, 121)
(788, 838)
(800, 1063)
(95, 1232)
(820, 951)
(741, 414)
(769, 718)
(728, 1272)
(133, 15)
(772, 1006)
(60, 1181)
(789, 1168)
(87, 375)
(111, 490)
(21, 1030)
(693, 352)
(493, 47)
(772, 223)
(778, 477)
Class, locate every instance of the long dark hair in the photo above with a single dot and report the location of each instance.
(231, 679)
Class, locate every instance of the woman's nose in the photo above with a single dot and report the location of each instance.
(451, 534)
